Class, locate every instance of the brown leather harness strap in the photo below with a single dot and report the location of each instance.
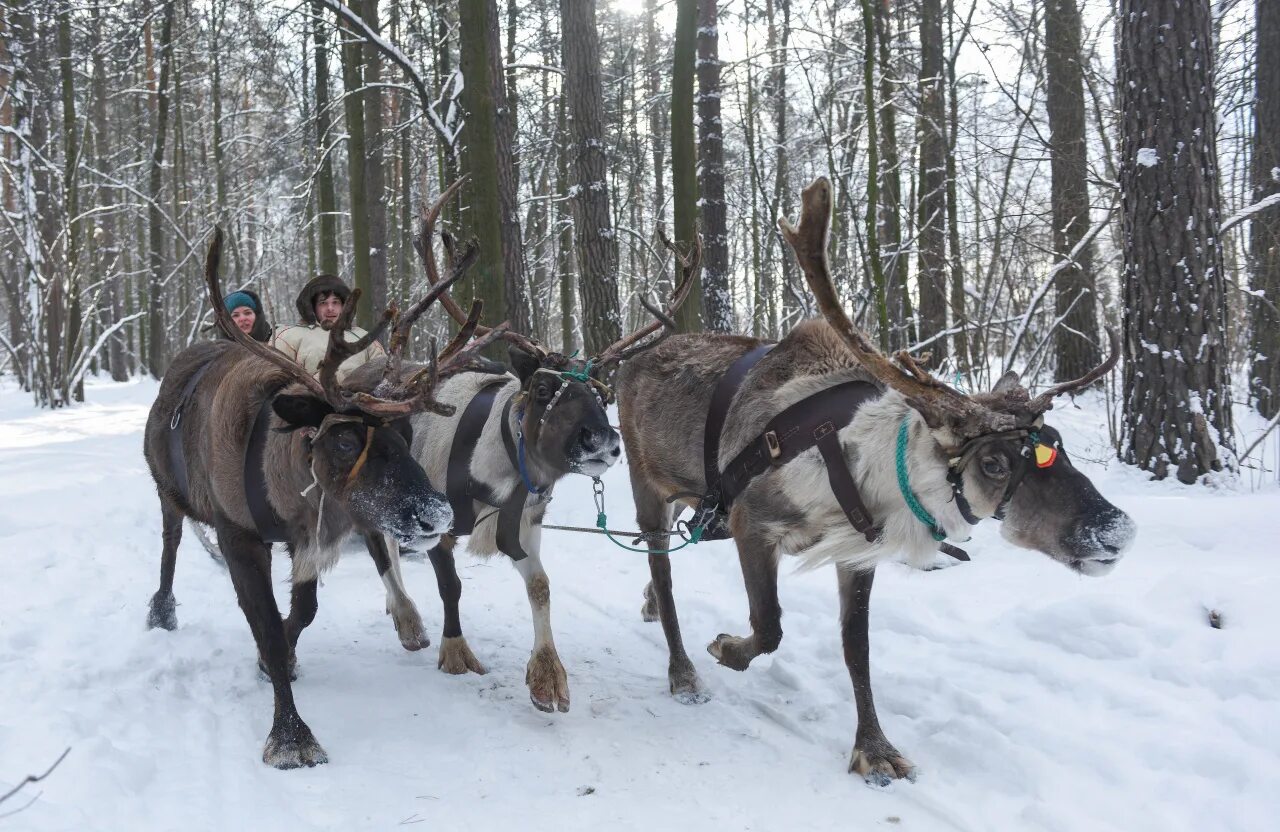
(726, 388)
(813, 421)
(362, 459)
(177, 455)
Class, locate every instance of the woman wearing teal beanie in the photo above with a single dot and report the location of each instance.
(246, 312)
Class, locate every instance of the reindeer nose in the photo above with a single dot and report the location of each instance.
(587, 439)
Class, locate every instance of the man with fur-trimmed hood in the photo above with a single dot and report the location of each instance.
(319, 304)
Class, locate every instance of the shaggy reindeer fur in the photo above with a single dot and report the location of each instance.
(792, 509)
(391, 494)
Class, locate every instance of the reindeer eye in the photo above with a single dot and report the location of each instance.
(542, 394)
(346, 443)
(995, 468)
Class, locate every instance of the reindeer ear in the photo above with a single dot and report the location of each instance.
(1008, 382)
(301, 411)
(523, 362)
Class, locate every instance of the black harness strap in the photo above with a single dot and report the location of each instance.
(463, 491)
(270, 527)
(812, 421)
(721, 398)
(177, 456)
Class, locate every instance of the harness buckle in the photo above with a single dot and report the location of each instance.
(823, 429)
(176, 418)
(775, 446)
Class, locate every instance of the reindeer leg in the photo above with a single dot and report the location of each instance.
(455, 655)
(545, 676)
(653, 514)
(302, 611)
(290, 743)
(385, 552)
(874, 757)
(163, 610)
(759, 563)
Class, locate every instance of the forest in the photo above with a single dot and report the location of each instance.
(1011, 177)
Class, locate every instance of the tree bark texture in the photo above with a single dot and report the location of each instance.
(931, 274)
(593, 233)
(1264, 342)
(353, 105)
(717, 295)
(684, 161)
(504, 110)
(1177, 402)
(157, 357)
(1076, 336)
(326, 195)
(482, 218)
(375, 186)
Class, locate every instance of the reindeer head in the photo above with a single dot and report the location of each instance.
(562, 405)
(1003, 461)
(357, 442)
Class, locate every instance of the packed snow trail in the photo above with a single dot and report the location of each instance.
(1029, 697)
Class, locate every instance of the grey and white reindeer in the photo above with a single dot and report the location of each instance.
(242, 438)
(901, 462)
(501, 453)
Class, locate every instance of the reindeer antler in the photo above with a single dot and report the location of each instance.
(936, 401)
(424, 244)
(1044, 401)
(690, 263)
(410, 396)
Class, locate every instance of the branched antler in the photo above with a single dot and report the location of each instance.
(690, 263)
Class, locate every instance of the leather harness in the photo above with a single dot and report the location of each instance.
(814, 421)
(463, 491)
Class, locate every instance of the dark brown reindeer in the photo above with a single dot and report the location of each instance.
(242, 438)
(501, 452)
(965, 458)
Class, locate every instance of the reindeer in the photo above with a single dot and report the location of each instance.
(242, 438)
(503, 449)
(964, 458)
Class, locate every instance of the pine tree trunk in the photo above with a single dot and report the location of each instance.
(596, 244)
(564, 222)
(932, 200)
(889, 219)
(357, 172)
(684, 160)
(657, 124)
(106, 253)
(71, 190)
(157, 343)
(483, 216)
(1076, 336)
(374, 173)
(1177, 402)
(1264, 342)
(504, 114)
(717, 291)
(326, 195)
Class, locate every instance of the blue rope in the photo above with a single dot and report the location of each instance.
(904, 485)
(524, 472)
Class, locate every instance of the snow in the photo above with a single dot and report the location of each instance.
(1147, 157)
(1029, 697)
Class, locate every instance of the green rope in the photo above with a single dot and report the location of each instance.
(904, 485)
(602, 523)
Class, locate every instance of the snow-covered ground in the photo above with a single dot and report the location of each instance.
(1029, 697)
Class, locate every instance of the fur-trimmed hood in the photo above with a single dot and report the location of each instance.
(306, 301)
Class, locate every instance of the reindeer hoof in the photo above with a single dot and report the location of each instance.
(732, 651)
(293, 747)
(456, 657)
(413, 636)
(547, 681)
(686, 687)
(882, 766)
(163, 612)
(649, 612)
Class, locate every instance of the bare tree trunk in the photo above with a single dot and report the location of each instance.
(483, 217)
(717, 291)
(564, 222)
(684, 159)
(157, 356)
(71, 190)
(1177, 401)
(594, 236)
(1075, 339)
(517, 301)
(354, 105)
(932, 234)
(1264, 342)
(106, 254)
(889, 221)
(375, 190)
(326, 194)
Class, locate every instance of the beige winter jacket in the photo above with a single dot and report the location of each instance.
(307, 345)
